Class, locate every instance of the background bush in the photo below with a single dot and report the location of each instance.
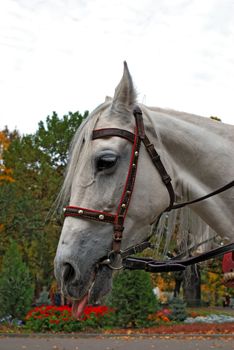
(133, 299)
(179, 312)
(16, 289)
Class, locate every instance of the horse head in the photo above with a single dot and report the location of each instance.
(95, 179)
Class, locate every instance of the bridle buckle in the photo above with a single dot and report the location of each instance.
(110, 259)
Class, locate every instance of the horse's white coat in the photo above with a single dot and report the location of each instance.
(197, 153)
(200, 153)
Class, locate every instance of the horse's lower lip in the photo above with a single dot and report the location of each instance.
(78, 306)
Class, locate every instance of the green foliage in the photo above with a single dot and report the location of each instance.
(27, 205)
(213, 289)
(133, 299)
(54, 138)
(16, 290)
(178, 307)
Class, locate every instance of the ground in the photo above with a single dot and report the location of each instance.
(117, 343)
(196, 328)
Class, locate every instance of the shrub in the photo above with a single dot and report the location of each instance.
(16, 290)
(133, 299)
(178, 307)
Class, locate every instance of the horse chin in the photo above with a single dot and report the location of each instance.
(102, 284)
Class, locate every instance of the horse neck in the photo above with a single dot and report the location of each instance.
(197, 153)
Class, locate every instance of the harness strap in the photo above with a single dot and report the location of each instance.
(125, 134)
(155, 157)
(219, 190)
(173, 264)
(118, 218)
(138, 248)
(89, 214)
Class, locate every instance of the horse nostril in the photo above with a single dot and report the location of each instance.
(69, 273)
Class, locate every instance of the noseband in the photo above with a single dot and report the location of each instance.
(117, 220)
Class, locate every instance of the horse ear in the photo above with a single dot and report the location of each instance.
(125, 94)
(108, 99)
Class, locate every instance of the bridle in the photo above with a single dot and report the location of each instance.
(117, 220)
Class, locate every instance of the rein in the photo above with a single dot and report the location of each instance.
(117, 220)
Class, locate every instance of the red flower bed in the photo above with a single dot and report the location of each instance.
(161, 316)
(96, 310)
(63, 312)
(59, 318)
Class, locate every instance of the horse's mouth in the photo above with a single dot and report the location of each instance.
(78, 306)
(99, 286)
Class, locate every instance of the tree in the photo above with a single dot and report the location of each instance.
(5, 139)
(132, 298)
(16, 290)
(54, 137)
(192, 285)
(213, 289)
(27, 214)
(6, 177)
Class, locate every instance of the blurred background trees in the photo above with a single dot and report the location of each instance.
(16, 287)
(31, 173)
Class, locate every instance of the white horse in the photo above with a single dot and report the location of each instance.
(198, 155)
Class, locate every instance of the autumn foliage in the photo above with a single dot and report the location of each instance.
(5, 173)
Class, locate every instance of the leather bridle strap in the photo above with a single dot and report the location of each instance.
(89, 214)
(211, 194)
(125, 134)
(174, 264)
(118, 218)
(155, 157)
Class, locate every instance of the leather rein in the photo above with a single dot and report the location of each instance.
(117, 220)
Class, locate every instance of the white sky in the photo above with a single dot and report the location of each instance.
(66, 55)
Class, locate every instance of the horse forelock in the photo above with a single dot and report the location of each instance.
(78, 158)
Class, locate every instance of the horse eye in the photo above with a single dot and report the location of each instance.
(106, 161)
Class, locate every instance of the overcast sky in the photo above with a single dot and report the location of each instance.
(67, 55)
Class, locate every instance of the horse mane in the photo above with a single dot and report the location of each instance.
(183, 226)
(187, 230)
